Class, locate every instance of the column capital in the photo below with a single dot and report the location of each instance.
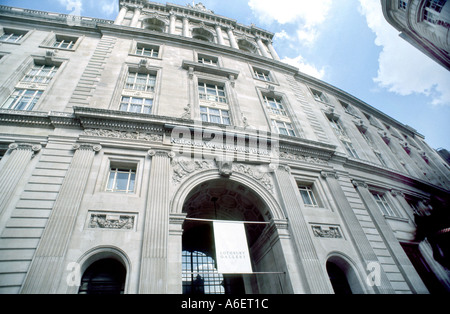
(25, 146)
(397, 193)
(329, 174)
(84, 146)
(160, 153)
(359, 183)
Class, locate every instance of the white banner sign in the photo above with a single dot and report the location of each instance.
(231, 248)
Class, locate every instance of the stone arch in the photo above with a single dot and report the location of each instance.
(202, 33)
(154, 23)
(105, 252)
(193, 199)
(246, 45)
(341, 264)
(185, 188)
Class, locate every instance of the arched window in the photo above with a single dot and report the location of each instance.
(245, 45)
(202, 34)
(154, 24)
(105, 276)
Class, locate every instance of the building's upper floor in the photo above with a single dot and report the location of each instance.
(54, 63)
(424, 24)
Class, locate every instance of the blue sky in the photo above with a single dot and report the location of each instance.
(346, 43)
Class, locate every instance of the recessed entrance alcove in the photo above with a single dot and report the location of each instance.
(229, 200)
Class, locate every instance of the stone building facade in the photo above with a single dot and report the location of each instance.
(424, 24)
(122, 140)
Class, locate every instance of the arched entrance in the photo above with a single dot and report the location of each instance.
(343, 277)
(225, 199)
(105, 276)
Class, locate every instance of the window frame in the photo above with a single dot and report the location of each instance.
(290, 131)
(116, 169)
(203, 96)
(142, 105)
(310, 194)
(11, 32)
(386, 209)
(221, 116)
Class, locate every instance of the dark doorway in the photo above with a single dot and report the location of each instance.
(106, 276)
(338, 279)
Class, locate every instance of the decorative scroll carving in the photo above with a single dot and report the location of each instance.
(124, 135)
(326, 231)
(256, 172)
(34, 147)
(95, 148)
(111, 221)
(299, 157)
(185, 167)
(358, 183)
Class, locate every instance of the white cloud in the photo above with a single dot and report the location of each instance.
(304, 67)
(305, 15)
(402, 68)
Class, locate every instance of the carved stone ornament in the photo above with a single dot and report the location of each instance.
(225, 168)
(111, 221)
(25, 146)
(328, 232)
(303, 158)
(329, 174)
(259, 173)
(359, 183)
(95, 147)
(184, 167)
(142, 136)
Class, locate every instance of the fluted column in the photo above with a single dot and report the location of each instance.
(219, 35)
(121, 15)
(44, 275)
(154, 261)
(262, 47)
(315, 280)
(356, 232)
(398, 254)
(233, 41)
(172, 23)
(136, 15)
(273, 52)
(185, 26)
(13, 170)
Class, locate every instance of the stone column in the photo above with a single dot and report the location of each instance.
(262, 47)
(172, 24)
(135, 19)
(13, 170)
(186, 26)
(233, 41)
(313, 274)
(44, 275)
(121, 15)
(154, 261)
(356, 232)
(398, 254)
(273, 52)
(219, 35)
(175, 248)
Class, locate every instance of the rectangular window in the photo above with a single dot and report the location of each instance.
(136, 104)
(215, 115)
(337, 127)
(275, 106)
(383, 204)
(12, 36)
(308, 196)
(283, 128)
(23, 99)
(350, 149)
(42, 74)
(318, 95)
(208, 60)
(147, 50)
(262, 75)
(381, 159)
(402, 4)
(141, 82)
(211, 92)
(63, 44)
(121, 180)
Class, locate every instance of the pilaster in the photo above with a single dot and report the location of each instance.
(12, 170)
(46, 268)
(154, 262)
(398, 254)
(356, 232)
(313, 273)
